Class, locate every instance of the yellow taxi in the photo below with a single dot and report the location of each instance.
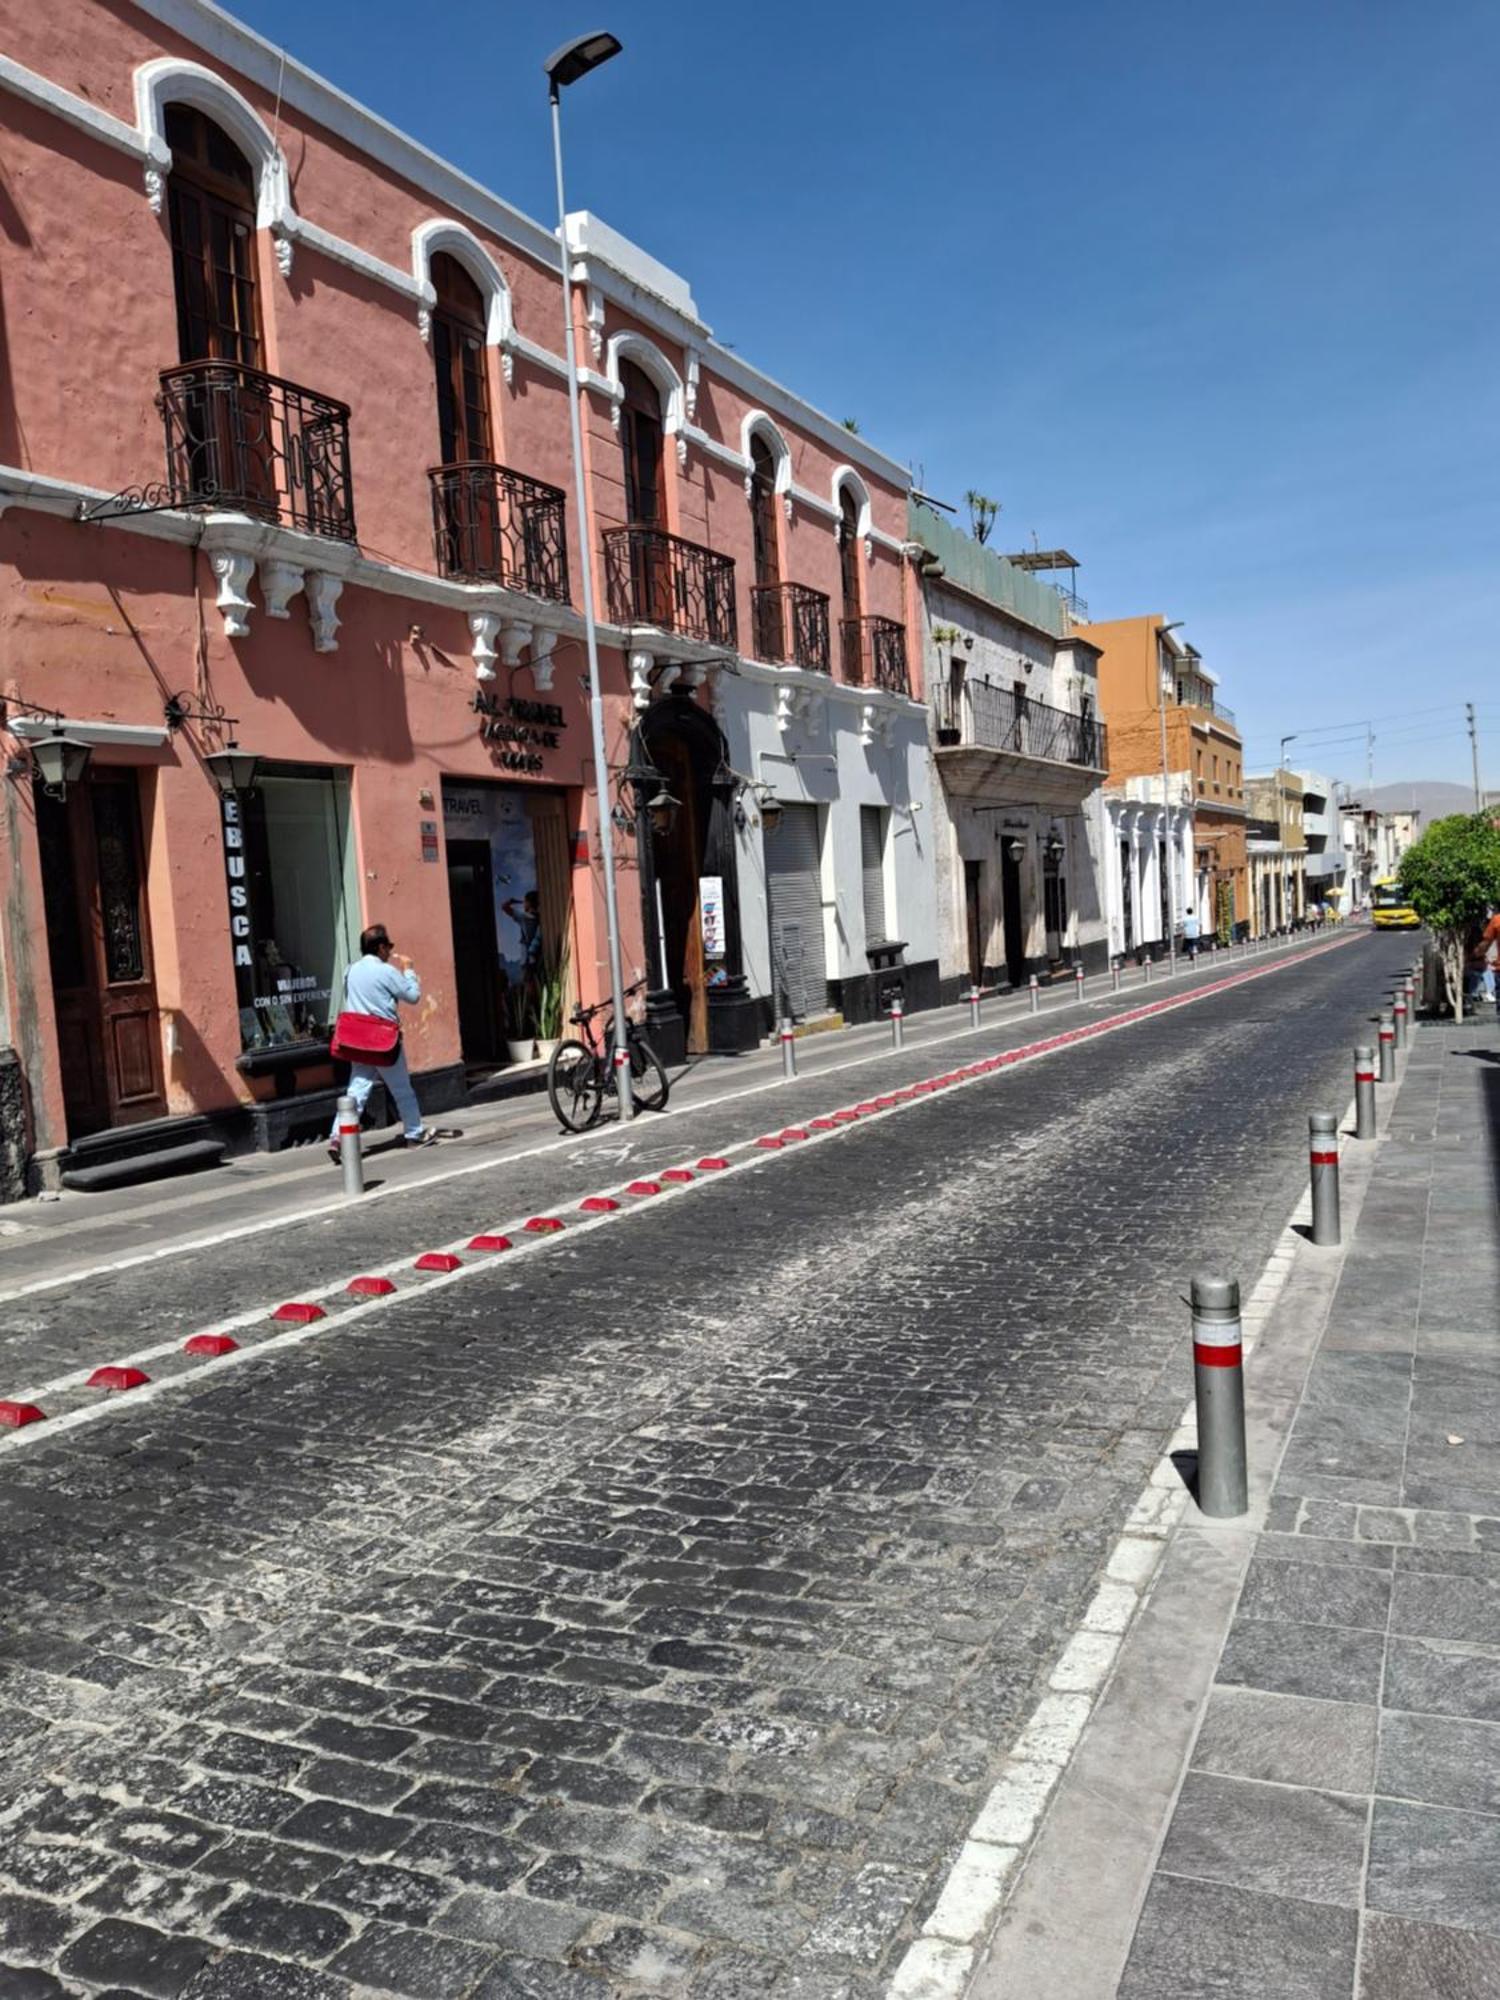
(1390, 910)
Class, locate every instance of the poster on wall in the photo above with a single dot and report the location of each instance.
(711, 915)
(498, 815)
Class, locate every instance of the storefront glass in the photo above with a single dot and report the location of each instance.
(287, 850)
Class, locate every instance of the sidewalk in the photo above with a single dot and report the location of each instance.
(1292, 1785)
(45, 1239)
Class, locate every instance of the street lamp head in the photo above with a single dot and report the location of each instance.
(576, 58)
(59, 760)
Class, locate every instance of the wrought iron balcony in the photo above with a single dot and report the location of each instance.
(874, 653)
(653, 578)
(791, 626)
(492, 525)
(237, 437)
(980, 716)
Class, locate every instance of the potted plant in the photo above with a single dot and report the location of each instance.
(551, 999)
(520, 1033)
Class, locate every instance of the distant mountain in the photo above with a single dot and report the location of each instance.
(1432, 798)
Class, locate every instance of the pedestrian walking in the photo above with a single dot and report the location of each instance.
(368, 1034)
(1190, 933)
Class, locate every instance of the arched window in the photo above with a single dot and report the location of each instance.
(641, 433)
(212, 219)
(763, 511)
(458, 326)
(849, 551)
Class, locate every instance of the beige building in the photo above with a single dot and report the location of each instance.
(1277, 851)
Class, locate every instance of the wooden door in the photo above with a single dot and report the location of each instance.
(104, 987)
(973, 924)
(1012, 923)
(678, 859)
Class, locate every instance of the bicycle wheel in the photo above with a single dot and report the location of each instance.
(648, 1080)
(575, 1085)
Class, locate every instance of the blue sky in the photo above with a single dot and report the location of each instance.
(1206, 294)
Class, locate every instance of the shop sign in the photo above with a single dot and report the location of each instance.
(429, 840)
(711, 915)
(239, 889)
(517, 730)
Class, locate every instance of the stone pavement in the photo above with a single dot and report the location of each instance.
(649, 1618)
(1335, 1834)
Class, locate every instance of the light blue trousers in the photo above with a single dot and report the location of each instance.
(396, 1077)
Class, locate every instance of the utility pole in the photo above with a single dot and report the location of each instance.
(1369, 760)
(1474, 751)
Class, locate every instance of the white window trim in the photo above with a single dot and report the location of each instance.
(169, 80)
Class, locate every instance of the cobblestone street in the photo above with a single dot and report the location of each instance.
(650, 1617)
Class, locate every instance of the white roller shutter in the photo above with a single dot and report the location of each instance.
(872, 872)
(799, 964)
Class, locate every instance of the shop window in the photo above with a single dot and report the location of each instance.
(293, 903)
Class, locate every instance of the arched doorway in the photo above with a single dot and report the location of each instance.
(698, 1001)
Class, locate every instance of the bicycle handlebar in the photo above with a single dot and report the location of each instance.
(583, 1014)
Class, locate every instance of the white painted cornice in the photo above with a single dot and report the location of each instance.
(79, 113)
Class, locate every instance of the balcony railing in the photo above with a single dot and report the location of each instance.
(239, 438)
(874, 651)
(653, 578)
(981, 716)
(791, 626)
(492, 525)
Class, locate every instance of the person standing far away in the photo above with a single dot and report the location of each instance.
(379, 982)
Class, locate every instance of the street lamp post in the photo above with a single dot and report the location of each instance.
(564, 66)
(1281, 797)
(1166, 804)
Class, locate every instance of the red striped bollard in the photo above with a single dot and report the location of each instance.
(1078, 979)
(1323, 1165)
(788, 1048)
(1219, 1391)
(1114, 975)
(898, 1030)
(1398, 1015)
(1364, 1092)
(1034, 988)
(1387, 1049)
(351, 1156)
(1146, 968)
(973, 1006)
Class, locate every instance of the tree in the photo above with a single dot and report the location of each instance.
(1451, 877)
(982, 512)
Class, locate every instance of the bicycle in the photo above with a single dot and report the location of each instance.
(582, 1070)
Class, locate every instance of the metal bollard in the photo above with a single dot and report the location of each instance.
(898, 1024)
(1034, 987)
(351, 1153)
(1114, 975)
(1146, 968)
(788, 1048)
(1323, 1165)
(1219, 1389)
(1387, 1049)
(973, 1006)
(1411, 1003)
(1364, 1092)
(1078, 979)
(1398, 1015)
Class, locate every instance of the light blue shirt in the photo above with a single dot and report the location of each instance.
(373, 987)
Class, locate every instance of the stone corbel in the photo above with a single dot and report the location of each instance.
(233, 573)
(693, 674)
(284, 250)
(485, 627)
(640, 679)
(543, 645)
(787, 508)
(594, 317)
(614, 411)
(514, 638)
(871, 723)
(508, 366)
(869, 548)
(156, 188)
(718, 695)
(792, 704)
(690, 386)
(323, 592)
(668, 677)
(424, 323)
(682, 450)
(750, 485)
(279, 584)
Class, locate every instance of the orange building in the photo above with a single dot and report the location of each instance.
(1149, 675)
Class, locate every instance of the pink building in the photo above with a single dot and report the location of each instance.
(286, 472)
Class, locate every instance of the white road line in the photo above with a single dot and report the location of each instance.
(241, 1232)
(115, 1402)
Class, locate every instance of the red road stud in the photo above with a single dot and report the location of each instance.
(437, 1260)
(598, 1204)
(677, 1174)
(822, 1125)
(210, 1343)
(371, 1288)
(544, 1225)
(711, 1166)
(14, 1415)
(118, 1378)
(298, 1313)
(865, 1110)
(484, 1242)
(845, 1117)
(644, 1187)
(794, 1132)
(771, 1143)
